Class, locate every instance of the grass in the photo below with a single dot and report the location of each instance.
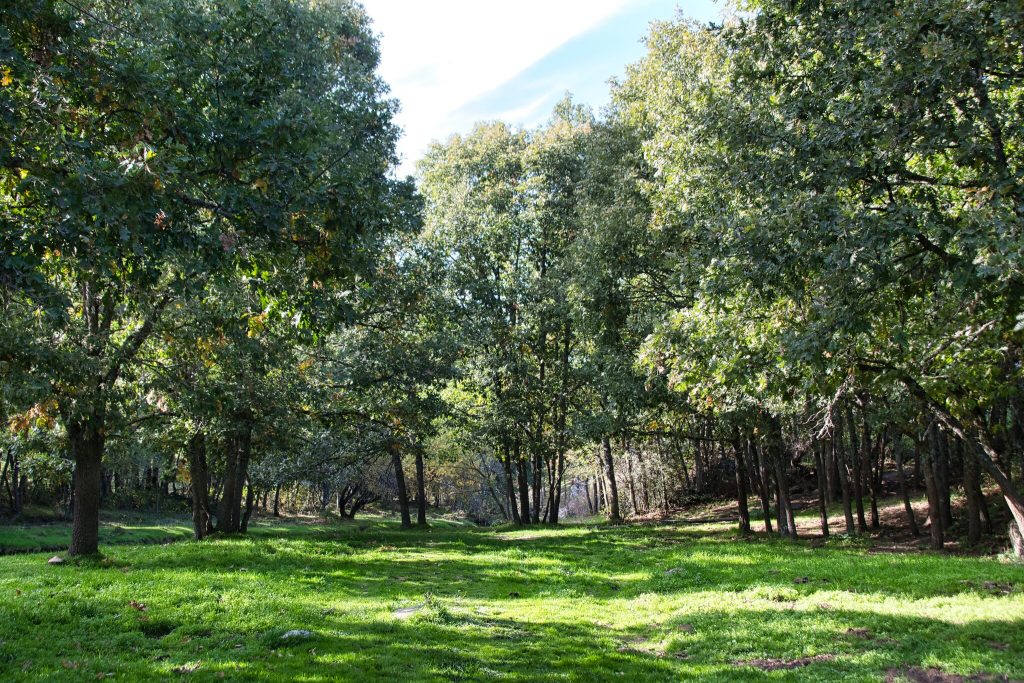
(116, 528)
(659, 602)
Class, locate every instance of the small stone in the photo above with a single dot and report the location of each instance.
(297, 633)
(56, 559)
(407, 612)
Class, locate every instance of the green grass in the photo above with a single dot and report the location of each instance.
(115, 528)
(581, 603)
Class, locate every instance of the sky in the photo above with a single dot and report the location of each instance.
(452, 63)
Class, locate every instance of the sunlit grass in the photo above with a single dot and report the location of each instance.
(586, 602)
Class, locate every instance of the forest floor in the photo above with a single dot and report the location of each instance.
(364, 601)
(43, 531)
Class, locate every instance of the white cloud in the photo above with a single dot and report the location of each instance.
(439, 55)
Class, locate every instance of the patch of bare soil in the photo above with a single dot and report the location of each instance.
(917, 674)
(779, 664)
(865, 634)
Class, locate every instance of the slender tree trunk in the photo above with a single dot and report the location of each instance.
(511, 490)
(777, 455)
(611, 486)
(277, 500)
(844, 481)
(855, 474)
(741, 482)
(629, 476)
(905, 493)
(18, 493)
(941, 464)
(403, 494)
(524, 483)
(643, 478)
(680, 453)
(765, 478)
(935, 519)
(871, 466)
(250, 498)
(971, 491)
(421, 492)
(822, 479)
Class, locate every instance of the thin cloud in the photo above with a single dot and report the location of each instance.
(441, 55)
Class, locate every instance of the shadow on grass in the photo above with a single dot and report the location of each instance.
(552, 607)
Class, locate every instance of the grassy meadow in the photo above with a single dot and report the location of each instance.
(658, 602)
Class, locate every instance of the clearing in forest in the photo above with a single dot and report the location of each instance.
(365, 601)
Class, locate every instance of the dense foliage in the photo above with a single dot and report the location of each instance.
(785, 264)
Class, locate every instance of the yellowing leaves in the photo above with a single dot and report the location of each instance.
(41, 416)
(261, 185)
(5, 77)
(257, 324)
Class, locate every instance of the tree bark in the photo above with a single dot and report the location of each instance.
(905, 493)
(243, 525)
(524, 483)
(510, 489)
(855, 460)
(403, 494)
(611, 487)
(87, 443)
(741, 482)
(765, 478)
(421, 491)
(227, 495)
(822, 479)
(200, 485)
(782, 481)
(971, 492)
(935, 519)
(844, 481)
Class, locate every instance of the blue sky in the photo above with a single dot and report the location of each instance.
(452, 63)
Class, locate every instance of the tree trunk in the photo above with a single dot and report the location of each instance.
(510, 489)
(250, 498)
(421, 491)
(987, 457)
(523, 478)
(822, 479)
(935, 520)
(971, 491)
(901, 477)
(854, 474)
(18, 493)
(611, 487)
(277, 500)
(227, 495)
(87, 443)
(403, 494)
(765, 478)
(782, 482)
(200, 485)
(844, 480)
(629, 476)
(741, 482)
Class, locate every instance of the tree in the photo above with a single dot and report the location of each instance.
(206, 141)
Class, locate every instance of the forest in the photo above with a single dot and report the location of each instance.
(750, 334)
